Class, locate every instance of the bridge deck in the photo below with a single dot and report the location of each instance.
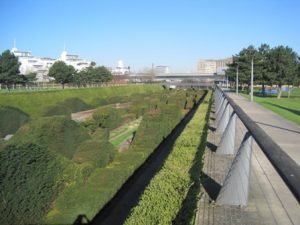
(270, 200)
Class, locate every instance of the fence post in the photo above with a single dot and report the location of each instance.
(226, 145)
(222, 123)
(235, 189)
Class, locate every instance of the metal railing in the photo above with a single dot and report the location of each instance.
(286, 167)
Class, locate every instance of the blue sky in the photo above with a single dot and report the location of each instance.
(165, 32)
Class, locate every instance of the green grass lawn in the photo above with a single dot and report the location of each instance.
(117, 141)
(288, 108)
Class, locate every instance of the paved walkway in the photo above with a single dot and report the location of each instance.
(270, 200)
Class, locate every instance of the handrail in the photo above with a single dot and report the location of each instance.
(286, 167)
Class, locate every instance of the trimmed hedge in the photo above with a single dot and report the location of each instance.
(97, 153)
(11, 119)
(57, 133)
(30, 178)
(164, 196)
(103, 183)
(33, 103)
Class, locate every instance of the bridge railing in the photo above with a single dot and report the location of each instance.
(236, 185)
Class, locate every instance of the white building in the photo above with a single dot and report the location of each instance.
(41, 66)
(74, 60)
(162, 70)
(121, 69)
(212, 66)
(31, 64)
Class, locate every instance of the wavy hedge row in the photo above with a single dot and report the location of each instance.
(102, 184)
(164, 198)
(35, 103)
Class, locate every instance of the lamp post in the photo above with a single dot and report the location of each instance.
(237, 79)
(251, 94)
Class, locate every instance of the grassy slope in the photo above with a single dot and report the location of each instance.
(288, 108)
(33, 103)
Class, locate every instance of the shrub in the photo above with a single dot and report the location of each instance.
(96, 102)
(29, 181)
(56, 110)
(164, 196)
(11, 119)
(107, 117)
(75, 104)
(101, 134)
(98, 153)
(57, 133)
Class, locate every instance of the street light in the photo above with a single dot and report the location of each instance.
(251, 79)
(237, 79)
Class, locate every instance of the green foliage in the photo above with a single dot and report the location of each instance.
(29, 181)
(97, 153)
(34, 103)
(58, 134)
(9, 68)
(57, 110)
(163, 198)
(277, 65)
(61, 72)
(92, 74)
(101, 134)
(107, 117)
(11, 119)
(76, 104)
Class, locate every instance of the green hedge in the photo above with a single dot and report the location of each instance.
(11, 119)
(97, 153)
(58, 133)
(33, 103)
(30, 178)
(103, 183)
(164, 197)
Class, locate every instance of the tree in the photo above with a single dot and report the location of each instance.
(243, 60)
(62, 73)
(9, 68)
(80, 78)
(283, 65)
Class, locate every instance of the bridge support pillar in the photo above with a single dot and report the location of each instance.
(235, 189)
(226, 145)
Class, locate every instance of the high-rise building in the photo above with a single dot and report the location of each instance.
(212, 66)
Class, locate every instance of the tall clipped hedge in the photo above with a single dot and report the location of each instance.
(11, 119)
(164, 196)
(57, 133)
(29, 181)
(97, 153)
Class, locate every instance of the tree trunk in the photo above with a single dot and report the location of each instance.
(289, 91)
(263, 89)
(279, 91)
(63, 85)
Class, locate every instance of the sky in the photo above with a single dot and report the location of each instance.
(175, 33)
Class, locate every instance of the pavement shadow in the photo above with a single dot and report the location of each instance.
(211, 146)
(213, 129)
(294, 111)
(211, 187)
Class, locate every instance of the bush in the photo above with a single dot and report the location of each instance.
(29, 181)
(75, 104)
(167, 191)
(11, 119)
(97, 153)
(107, 117)
(96, 102)
(57, 110)
(57, 133)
